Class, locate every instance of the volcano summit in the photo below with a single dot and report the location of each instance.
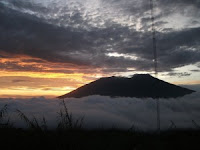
(139, 85)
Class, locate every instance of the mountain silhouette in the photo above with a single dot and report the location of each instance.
(139, 85)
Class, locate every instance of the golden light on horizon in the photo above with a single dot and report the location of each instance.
(39, 84)
(25, 76)
(194, 82)
(30, 92)
(49, 82)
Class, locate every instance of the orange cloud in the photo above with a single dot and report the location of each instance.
(193, 82)
(10, 62)
(37, 85)
(22, 75)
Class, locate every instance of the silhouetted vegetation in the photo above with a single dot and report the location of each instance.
(33, 123)
(66, 120)
(69, 135)
(4, 121)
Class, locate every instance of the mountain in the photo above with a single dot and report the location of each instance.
(139, 85)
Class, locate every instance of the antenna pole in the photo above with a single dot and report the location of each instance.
(154, 36)
(158, 114)
(155, 60)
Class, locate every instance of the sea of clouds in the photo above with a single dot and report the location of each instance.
(106, 112)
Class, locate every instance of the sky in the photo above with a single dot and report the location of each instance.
(51, 47)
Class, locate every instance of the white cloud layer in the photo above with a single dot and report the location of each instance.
(106, 112)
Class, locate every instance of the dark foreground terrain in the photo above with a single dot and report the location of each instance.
(70, 135)
(12, 138)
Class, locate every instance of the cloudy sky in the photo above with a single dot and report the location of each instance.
(50, 47)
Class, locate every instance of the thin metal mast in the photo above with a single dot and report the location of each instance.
(155, 59)
(153, 36)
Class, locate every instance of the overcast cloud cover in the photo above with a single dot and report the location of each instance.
(101, 33)
(106, 112)
(100, 36)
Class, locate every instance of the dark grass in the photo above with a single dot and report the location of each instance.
(69, 135)
(12, 138)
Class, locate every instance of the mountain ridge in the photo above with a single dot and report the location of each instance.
(139, 85)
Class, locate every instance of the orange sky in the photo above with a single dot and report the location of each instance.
(39, 84)
(49, 48)
(24, 76)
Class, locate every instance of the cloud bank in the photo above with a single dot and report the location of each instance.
(106, 112)
(84, 33)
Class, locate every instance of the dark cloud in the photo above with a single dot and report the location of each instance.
(14, 66)
(70, 38)
(195, 70)
(179, 74)
(17, 81)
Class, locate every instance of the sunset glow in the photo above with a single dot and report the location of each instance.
(25, 76)
(49, 48)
